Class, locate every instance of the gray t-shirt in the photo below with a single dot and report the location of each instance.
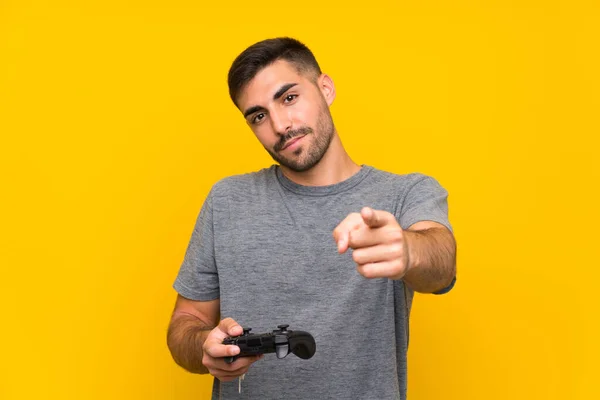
(264, 246)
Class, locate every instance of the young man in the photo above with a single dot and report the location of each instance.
(315, 241)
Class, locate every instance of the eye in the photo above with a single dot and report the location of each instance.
(290, 97)
(258, 118)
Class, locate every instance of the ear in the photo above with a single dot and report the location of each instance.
(327, 88)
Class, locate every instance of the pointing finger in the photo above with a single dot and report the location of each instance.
(374, 218)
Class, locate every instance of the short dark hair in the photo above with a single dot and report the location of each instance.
(264, 53)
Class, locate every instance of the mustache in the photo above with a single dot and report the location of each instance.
(290, 135)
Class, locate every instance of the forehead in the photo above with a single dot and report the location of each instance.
(267, 81)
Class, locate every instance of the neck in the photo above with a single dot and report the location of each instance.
(335, 166)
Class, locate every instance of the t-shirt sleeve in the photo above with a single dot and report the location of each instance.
(197, 278)
(426, 200)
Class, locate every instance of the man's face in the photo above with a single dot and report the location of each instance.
(289, 114)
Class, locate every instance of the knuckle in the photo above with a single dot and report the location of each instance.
(395, 235)
(397, 268)
(396, 249)
(398, 265)
(359, 269)
(207, 361)
(362, 270)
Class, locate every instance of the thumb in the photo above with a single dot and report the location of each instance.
(343, 241)
(230, 328)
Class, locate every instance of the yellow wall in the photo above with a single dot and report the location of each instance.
(115, 121)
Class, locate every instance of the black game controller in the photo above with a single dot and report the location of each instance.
(281, 342)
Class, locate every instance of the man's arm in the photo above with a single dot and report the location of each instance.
(190, 325)
(422, 255)
(195, 339)
(431, 249)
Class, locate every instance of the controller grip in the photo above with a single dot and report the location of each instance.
(302, 344)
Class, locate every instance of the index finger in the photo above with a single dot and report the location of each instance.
(374, 218)
(216, 349)
(213, 345)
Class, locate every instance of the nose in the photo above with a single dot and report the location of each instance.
(281, 121)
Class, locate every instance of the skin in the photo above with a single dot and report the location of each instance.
(282, 105)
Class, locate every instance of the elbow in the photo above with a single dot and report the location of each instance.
(447, 281)
(179, 357)
(436, 281)
(184, 351)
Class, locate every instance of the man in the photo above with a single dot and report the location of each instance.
(316, 241)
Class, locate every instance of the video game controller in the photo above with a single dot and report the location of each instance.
(281, 342)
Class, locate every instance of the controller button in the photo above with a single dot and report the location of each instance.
(282, 350)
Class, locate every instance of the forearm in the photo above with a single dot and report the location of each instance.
(431, 259)
(185, 337)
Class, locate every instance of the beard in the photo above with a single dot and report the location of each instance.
(306, 156)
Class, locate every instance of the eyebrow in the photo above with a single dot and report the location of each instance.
(283, 89)
(277, 95)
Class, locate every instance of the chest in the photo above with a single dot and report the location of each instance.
(277, 259)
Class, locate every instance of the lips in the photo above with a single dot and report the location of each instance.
(291, 142)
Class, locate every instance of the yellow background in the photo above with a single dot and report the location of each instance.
(115, 121)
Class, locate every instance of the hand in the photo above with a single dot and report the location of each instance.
(380, 248)
(214, 352)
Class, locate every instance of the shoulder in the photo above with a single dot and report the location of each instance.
(242, 184)
(403, 181)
